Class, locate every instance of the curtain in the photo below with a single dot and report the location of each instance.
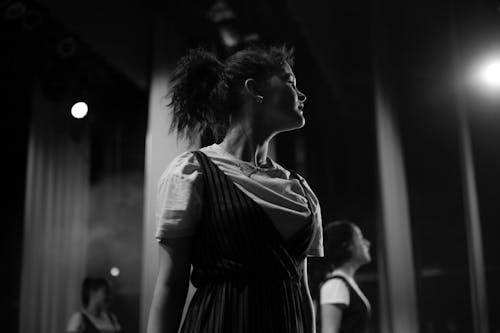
(56, 216)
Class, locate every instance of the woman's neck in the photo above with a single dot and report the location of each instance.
(247, 143)
(94, 309)
(349, 269)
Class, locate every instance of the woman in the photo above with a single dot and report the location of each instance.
(244, 223)
(344, 308)
(94, 316)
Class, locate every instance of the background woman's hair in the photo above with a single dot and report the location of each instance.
(338, 237)
(207, 91)
(92, 284)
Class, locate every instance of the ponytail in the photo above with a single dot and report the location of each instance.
(198, 94)
(206, 91)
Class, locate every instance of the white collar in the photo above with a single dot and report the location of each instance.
(248, 168)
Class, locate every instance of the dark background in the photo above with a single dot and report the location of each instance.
(335, 44)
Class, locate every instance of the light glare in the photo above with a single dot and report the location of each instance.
(79, 110)
(491, 73)
(114, 271)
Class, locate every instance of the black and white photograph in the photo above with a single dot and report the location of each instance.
(264, 166)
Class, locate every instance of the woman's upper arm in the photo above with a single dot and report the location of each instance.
(75, 323)
(174, 260)
(171, 285)
(179, 198)
(331, 317)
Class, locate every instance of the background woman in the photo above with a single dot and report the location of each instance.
(244, 222)
(344, 307)
(95, 316)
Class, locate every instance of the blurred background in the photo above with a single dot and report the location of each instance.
(402, 136)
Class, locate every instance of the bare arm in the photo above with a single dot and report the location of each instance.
(171, 286)
(310, 307)
(331, 316)
(75, 324)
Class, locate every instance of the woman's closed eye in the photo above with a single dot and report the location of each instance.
(289, 79)
(293, 83)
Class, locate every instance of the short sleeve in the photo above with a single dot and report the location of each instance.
(75, 323)
(334, 291)
(316, 247)
(179, 203)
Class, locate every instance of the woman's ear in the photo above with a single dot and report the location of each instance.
(252, 89)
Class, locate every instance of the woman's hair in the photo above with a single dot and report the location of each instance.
(92, 284)
(206, 91)
(338, 237)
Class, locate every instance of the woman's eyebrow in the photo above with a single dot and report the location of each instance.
(287, 75)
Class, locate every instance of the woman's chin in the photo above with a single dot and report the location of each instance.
(368, 259)
(291, 122)
(301, 121)
(299, 124)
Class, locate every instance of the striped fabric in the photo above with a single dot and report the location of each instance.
(248, 278)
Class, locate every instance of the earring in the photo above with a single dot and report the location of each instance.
(259, 99)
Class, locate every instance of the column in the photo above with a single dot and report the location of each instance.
(161, 148)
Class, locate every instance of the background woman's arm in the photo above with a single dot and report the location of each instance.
(171, 286)
(331, 316)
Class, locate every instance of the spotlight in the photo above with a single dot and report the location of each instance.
(484, 76)
(79, 110)
(490, 73)
(114, 271)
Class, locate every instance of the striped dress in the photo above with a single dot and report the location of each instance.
(248, 278)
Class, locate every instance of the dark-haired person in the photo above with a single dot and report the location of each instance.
(245, 223)
(344, 307)
(95, 316)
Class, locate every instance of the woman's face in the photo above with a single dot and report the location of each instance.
(101, 296)
(360, 248)
(283, 102)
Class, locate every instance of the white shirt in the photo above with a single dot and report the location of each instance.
(103, 324)
(335, 291)
(281, 195)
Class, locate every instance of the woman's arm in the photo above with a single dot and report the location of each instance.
(171, 286)
(75, 324)
(309, 303)
(331, 316)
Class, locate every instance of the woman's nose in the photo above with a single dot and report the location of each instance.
(302, 96)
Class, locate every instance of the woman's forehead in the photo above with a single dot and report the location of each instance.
(284, 74)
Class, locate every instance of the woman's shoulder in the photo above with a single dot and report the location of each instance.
(334, 291)
(305, 184)
(75, 322)
(187, 162)
(183, 164)
(335, 281)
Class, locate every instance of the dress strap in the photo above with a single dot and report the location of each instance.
(338, 277)
(219, 186)
(89, 326)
